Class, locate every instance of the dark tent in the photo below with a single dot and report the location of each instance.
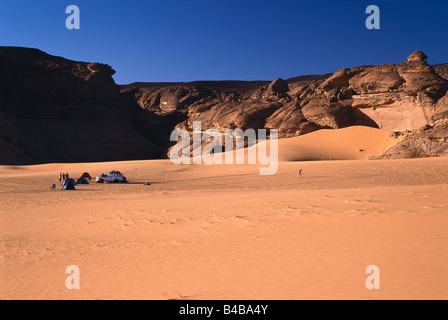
(82, 181)
(69, 185)
(86, 175)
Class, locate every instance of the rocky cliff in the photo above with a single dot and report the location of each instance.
(56, 110)
(403, 97)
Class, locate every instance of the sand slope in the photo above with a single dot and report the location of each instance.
(353, 143)
(225, 232)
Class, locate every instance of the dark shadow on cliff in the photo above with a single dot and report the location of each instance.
(361, 119)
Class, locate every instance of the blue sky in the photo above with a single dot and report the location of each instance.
(185, 40)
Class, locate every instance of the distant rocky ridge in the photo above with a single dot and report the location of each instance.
(56, 110)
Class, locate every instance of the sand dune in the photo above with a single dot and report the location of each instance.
(353, 143)
(225, 232)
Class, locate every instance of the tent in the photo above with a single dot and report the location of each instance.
(82, 181)
(86, 175)
(69, 185)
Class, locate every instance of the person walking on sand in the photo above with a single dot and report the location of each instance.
(60, 176)
(300, 174)
(63, 177)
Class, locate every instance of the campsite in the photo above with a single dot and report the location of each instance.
(114, 176)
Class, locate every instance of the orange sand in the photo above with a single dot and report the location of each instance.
(225, 232)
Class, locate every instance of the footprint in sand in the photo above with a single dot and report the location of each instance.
(352, 201)
(358, 213)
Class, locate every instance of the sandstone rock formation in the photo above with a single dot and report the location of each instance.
(442, 70)
(417, 56)
(279, 87)
(396, 97)
(53, 109)
(431, 141)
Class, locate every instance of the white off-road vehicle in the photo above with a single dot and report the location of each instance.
(112, 177)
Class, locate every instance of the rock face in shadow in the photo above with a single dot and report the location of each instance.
(56, 110)
(32, 75)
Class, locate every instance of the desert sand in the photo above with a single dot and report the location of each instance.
(225, 232)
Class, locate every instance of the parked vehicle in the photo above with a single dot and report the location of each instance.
(112, 177)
